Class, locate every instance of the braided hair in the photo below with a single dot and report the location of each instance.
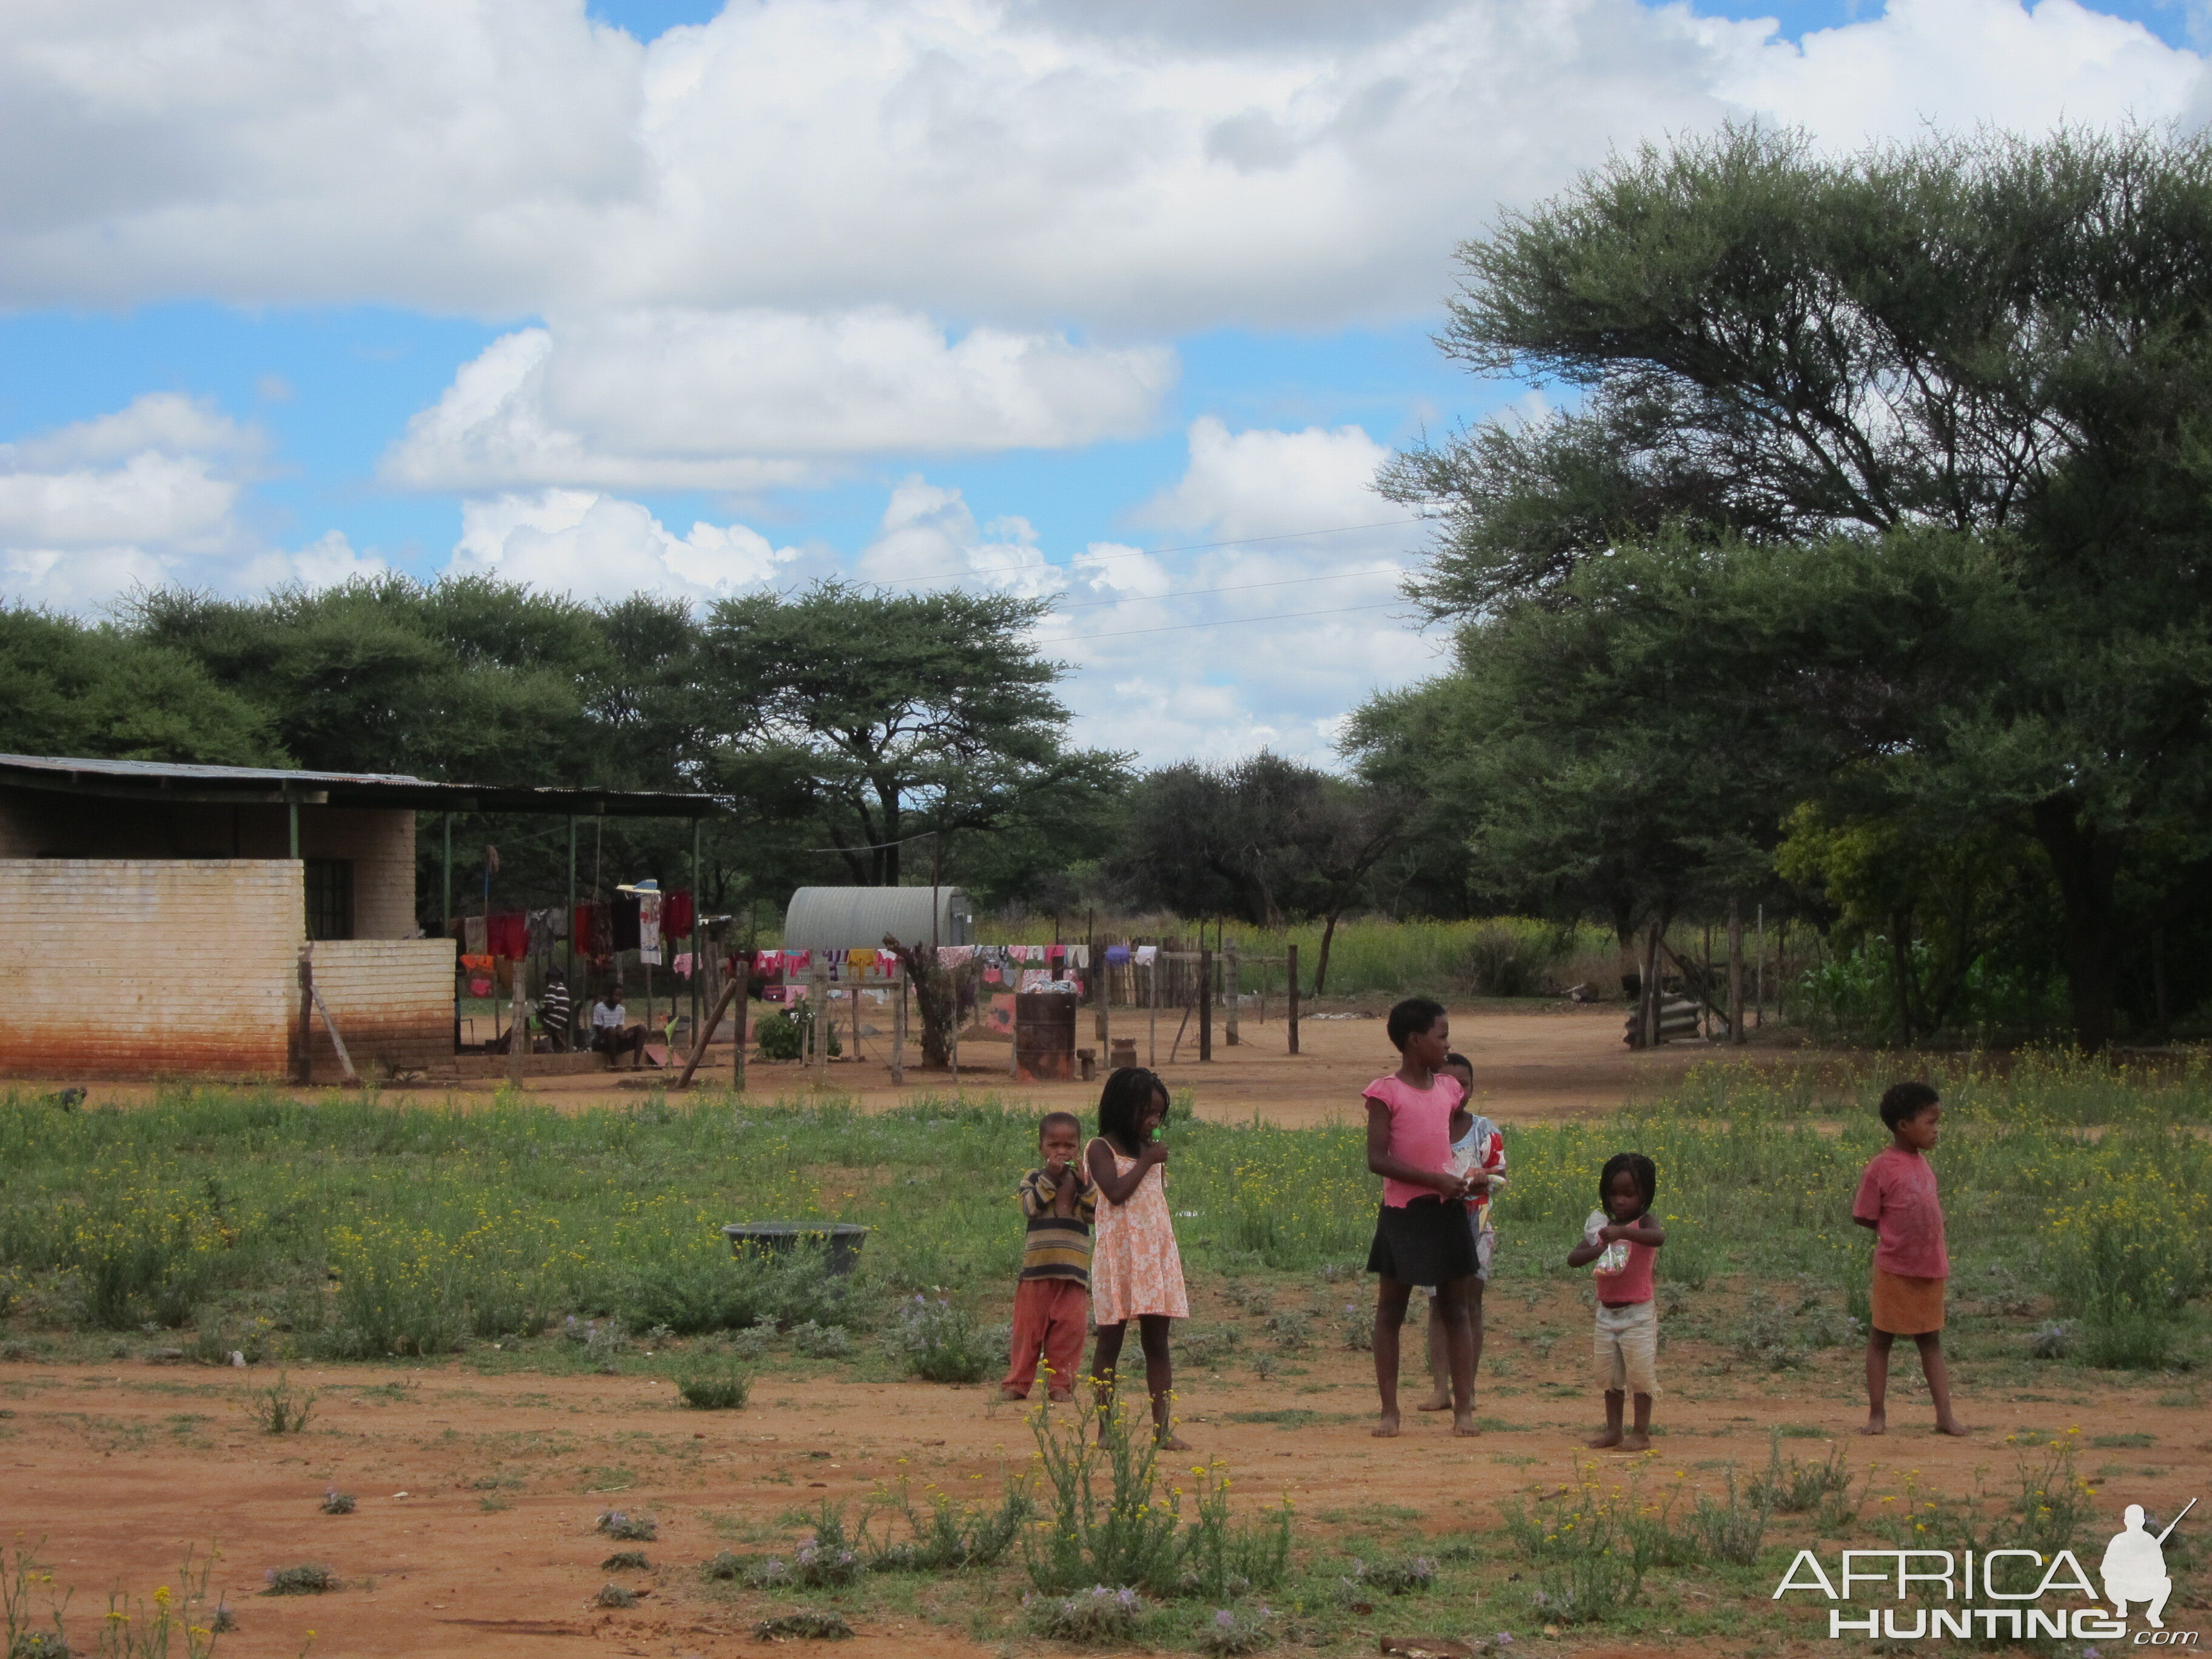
(1639, 1169)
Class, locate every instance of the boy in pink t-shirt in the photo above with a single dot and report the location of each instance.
(1897, 1199)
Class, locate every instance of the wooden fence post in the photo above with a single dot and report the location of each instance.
(1230, 994)
(1735, 971)
(305, 1064)
(1290, 992)
(818, 1003)
(1206, 1002)
(898, 1026)
(742, 974)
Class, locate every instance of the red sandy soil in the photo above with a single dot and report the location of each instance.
(1532, 1062)
(119, 1466)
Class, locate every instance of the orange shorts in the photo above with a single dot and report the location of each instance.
(1907, 1306)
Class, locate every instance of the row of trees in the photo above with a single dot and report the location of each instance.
(1867, 565)
(841, 724)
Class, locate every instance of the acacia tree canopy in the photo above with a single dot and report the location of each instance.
(1988, 337)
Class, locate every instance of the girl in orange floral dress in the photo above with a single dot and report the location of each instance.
(1136, 1272)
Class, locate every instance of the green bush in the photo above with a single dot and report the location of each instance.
(940, 1343)
(782, 1036)
(725, 1390)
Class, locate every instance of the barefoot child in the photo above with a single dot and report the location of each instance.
(1478, 1150)
(1624, 1241)
(1136, 1271)
(1052, 1301)
(1897, 1199)
(1421, 1231)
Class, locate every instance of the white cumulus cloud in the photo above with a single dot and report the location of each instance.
(929, 538)
(148, 495)
(596, 546)
(675, 399)
(1145, 167)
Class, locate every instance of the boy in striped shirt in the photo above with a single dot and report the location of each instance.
(1052, 1301)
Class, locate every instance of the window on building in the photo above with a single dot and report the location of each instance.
(330, 898)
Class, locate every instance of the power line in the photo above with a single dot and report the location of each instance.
(1144, 553)
(1230, 621)
(1238, 587)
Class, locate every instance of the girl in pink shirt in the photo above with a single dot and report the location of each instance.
(1421, 1231)
(1623, 1241)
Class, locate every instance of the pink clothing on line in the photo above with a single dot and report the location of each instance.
(1632, 1283)
(1421, 1131)
(1898, 1194)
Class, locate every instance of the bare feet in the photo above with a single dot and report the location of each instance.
(1173, 1441)
(1386, 1426)
(1607, 1441)
(1060, 1396)
(1439, 1401)
(1634, 1442)
(1952, 1426)
(1013, 1394)
(1463, 1425)
(1876, 1423)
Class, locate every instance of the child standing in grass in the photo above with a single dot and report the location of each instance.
(1477, 1150)
(1897, 1199)
(1136, 1271)
(1052, 1300)
(1422, 1235)
(1623, 1240)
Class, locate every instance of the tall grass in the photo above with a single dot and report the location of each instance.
(372, 1227)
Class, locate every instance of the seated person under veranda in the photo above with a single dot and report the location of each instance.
(613, 1031)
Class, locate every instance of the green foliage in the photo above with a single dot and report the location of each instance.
(783, 1035)
(69, 689)
(723, 1390)
(279, 1408)
(938, 1341)
(1870, 494)
(1111, 1514)
(942, 1536)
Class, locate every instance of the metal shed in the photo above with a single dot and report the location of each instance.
(859, 918)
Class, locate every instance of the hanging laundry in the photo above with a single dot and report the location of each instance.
(480, 986)
(683, 964)
(954, 957)
(678, 915)
(994, 977)
(1146, 954)
(1079, 955)
(472, 936)
(648, 927)
(797, 962)
(478, 964)
(622, 922)
(589, 928)
(1116, 955)
(508, 934)
(1035, 979)
(860, 959)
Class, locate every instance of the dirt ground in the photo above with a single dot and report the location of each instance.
(1533, 1061)
(477, 1493)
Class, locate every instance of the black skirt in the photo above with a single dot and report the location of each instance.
(1427, 1241)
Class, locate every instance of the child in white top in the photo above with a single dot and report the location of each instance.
(1478, 1149)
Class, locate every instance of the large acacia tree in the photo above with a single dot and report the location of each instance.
(1998, 338)
(874, 718)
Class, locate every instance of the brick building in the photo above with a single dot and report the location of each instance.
(152, 916)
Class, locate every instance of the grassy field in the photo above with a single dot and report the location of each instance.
(536, 1243)
(366, 1226)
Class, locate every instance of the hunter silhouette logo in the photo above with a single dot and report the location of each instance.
(2134, 1567)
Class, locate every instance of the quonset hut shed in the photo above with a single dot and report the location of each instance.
(860, 918)
(152, 915)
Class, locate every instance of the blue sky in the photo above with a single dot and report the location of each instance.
(1002, 297)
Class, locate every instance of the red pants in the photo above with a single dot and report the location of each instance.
(1051, 1315)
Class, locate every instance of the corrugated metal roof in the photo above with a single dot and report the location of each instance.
(860, 918)
(184, 781)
